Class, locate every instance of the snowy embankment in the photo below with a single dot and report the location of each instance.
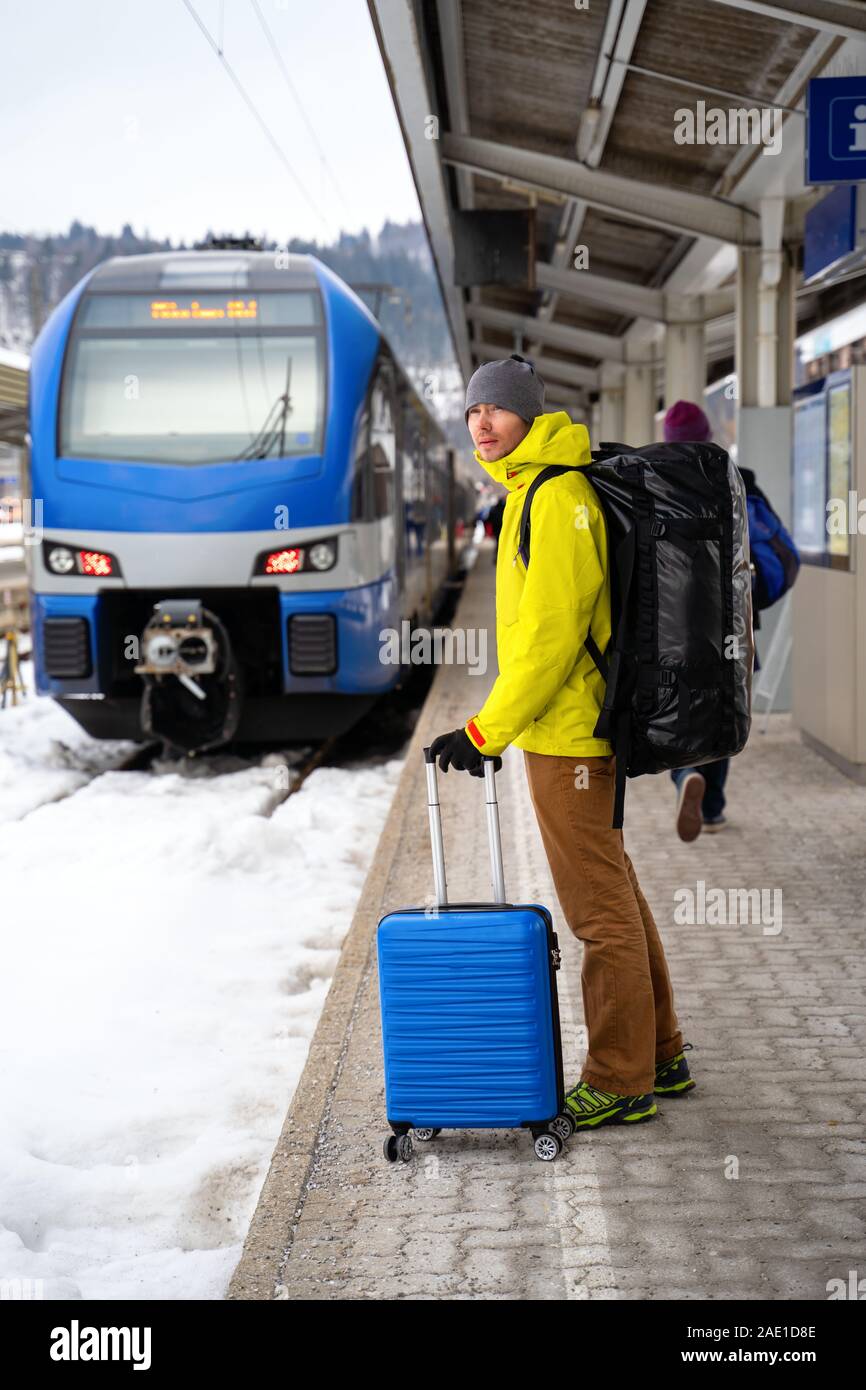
(168, 940)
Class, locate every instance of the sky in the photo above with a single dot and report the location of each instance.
(119, 112)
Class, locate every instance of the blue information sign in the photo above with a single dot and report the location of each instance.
(836, 130)
(830, 231)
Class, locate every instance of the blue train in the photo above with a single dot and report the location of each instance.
(241, 490)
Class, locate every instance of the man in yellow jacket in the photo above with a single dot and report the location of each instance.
(546, 700)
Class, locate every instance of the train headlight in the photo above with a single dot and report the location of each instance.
(323, 555)
(60, 560)
(318, 555)
(92, 564)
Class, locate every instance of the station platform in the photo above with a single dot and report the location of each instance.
(751, 1186)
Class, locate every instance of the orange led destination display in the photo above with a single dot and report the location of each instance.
(194, 309)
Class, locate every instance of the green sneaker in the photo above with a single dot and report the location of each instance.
(672, 1076)
(587, 1107)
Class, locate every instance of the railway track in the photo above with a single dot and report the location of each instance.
(71, 767)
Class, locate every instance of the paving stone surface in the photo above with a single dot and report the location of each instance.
(752, 1186)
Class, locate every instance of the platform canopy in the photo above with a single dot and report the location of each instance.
(574, 112)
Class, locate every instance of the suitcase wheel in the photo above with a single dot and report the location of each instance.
(398, 1147)
(548, 1146)
(425, 1134)
(563, 1125)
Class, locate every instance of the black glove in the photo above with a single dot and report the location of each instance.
(458, 751)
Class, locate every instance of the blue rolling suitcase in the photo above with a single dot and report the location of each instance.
(470, 1015)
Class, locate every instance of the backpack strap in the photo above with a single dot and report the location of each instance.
(621, 746)
(596, 655)
(551, 471)
(620, 678)
(613, 723)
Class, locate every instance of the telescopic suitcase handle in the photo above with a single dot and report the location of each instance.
(493, 834)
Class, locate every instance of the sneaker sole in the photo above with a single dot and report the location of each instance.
(618, 1119)
(678, 1089)
(689, 817)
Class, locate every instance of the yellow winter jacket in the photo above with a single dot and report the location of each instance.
(548, 694)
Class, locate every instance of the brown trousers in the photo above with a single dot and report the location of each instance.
(627, 997)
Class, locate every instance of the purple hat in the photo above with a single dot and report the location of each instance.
(686, 423)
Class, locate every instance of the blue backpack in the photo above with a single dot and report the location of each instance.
(774, 554)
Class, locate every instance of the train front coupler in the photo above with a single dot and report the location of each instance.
(192, 683)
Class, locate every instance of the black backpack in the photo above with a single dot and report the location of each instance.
(679, 664)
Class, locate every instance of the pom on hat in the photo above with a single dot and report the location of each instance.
(686, 423)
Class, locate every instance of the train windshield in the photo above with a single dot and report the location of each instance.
(195, 378)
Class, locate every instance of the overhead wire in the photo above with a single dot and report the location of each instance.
(253, 109)
(294, 95)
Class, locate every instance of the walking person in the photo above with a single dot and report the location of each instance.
(546, 700)
(775, 562)
(700, 791)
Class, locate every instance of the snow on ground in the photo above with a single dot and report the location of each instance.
(167, 947)
(44, 754)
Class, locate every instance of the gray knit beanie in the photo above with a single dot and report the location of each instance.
(512, 384)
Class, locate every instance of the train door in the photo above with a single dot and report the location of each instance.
(452, 510)
(383, 461)
(429, 532)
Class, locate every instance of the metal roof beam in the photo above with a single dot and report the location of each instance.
(582, 341)
(618, 38)
(617, 44)
(619, 296)
(833, 16)
(547, 367)
(576, 409)
(402, 49)
(615, 295)
(632, 199)
(450, 16)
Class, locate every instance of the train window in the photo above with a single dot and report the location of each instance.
(247, 382)
(361, 457)
(414, 499)
(383, 444)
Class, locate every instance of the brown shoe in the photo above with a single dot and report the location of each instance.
(691, 794)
